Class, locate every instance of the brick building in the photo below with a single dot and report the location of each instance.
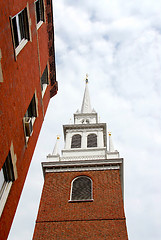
(82, 196)
(27, 82)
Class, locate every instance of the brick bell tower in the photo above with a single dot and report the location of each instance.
(82, 196)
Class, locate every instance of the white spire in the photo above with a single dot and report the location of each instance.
(56, 149)
(86, 105)
(111, 147)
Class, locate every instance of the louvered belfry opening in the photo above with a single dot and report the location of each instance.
(76, 141)
(92, 140)
(82, 188)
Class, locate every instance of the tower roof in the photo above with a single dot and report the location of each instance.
(86, 104)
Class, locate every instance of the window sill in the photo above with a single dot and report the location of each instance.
(20, 46)
(38, 25)
(82, 200)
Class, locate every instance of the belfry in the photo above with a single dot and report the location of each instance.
(82, 196)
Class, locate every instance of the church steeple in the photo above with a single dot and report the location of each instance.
(86, 105)
(86, 138)
(87, 114)
(87, 177)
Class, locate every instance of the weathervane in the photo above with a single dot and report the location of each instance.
(86, 77)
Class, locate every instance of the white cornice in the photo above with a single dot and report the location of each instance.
(85, 164)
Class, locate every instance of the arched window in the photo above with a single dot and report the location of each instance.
(92, 140)
(76, 141)
(81, 188)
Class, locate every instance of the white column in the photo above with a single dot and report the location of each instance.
(100, 139)
(84, 140)
(68, 140)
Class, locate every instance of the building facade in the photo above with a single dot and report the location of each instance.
(27, 82)
(82, 196)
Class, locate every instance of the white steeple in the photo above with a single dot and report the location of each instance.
(87, 114)
(86, 138)
(86, 105)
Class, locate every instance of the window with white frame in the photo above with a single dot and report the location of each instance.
(92, 140)
(39, 6)
(81, 189)
(76, 141)
(30, 117)
(6, 179)
(44, 80)
(20, 29)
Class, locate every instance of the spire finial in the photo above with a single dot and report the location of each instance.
(86, 77)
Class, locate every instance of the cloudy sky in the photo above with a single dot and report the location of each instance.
(118, 43)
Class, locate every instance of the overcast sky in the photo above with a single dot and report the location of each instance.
(118, 43)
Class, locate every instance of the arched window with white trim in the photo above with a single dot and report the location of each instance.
(92, 140)
(76, 141)
(81, 189)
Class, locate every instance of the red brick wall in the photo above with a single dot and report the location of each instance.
(101, 219)
(20, 80)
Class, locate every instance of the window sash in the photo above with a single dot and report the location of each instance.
(20, 27)
(76, 141)
(81, 189)
(2, 179)
(31, 111)
(39, 11)
(44, 78)
(92, 140)
(6, 174)
(15, 31)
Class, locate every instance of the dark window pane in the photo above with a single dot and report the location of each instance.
(76, 141)
(92, 140)
(26, 24)
(15, 31)
(82, 188)
(6, 174)
(37, 11)
(22, 24)
(41, 10)
(31, 111)
(8, 169)
(44, 78)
